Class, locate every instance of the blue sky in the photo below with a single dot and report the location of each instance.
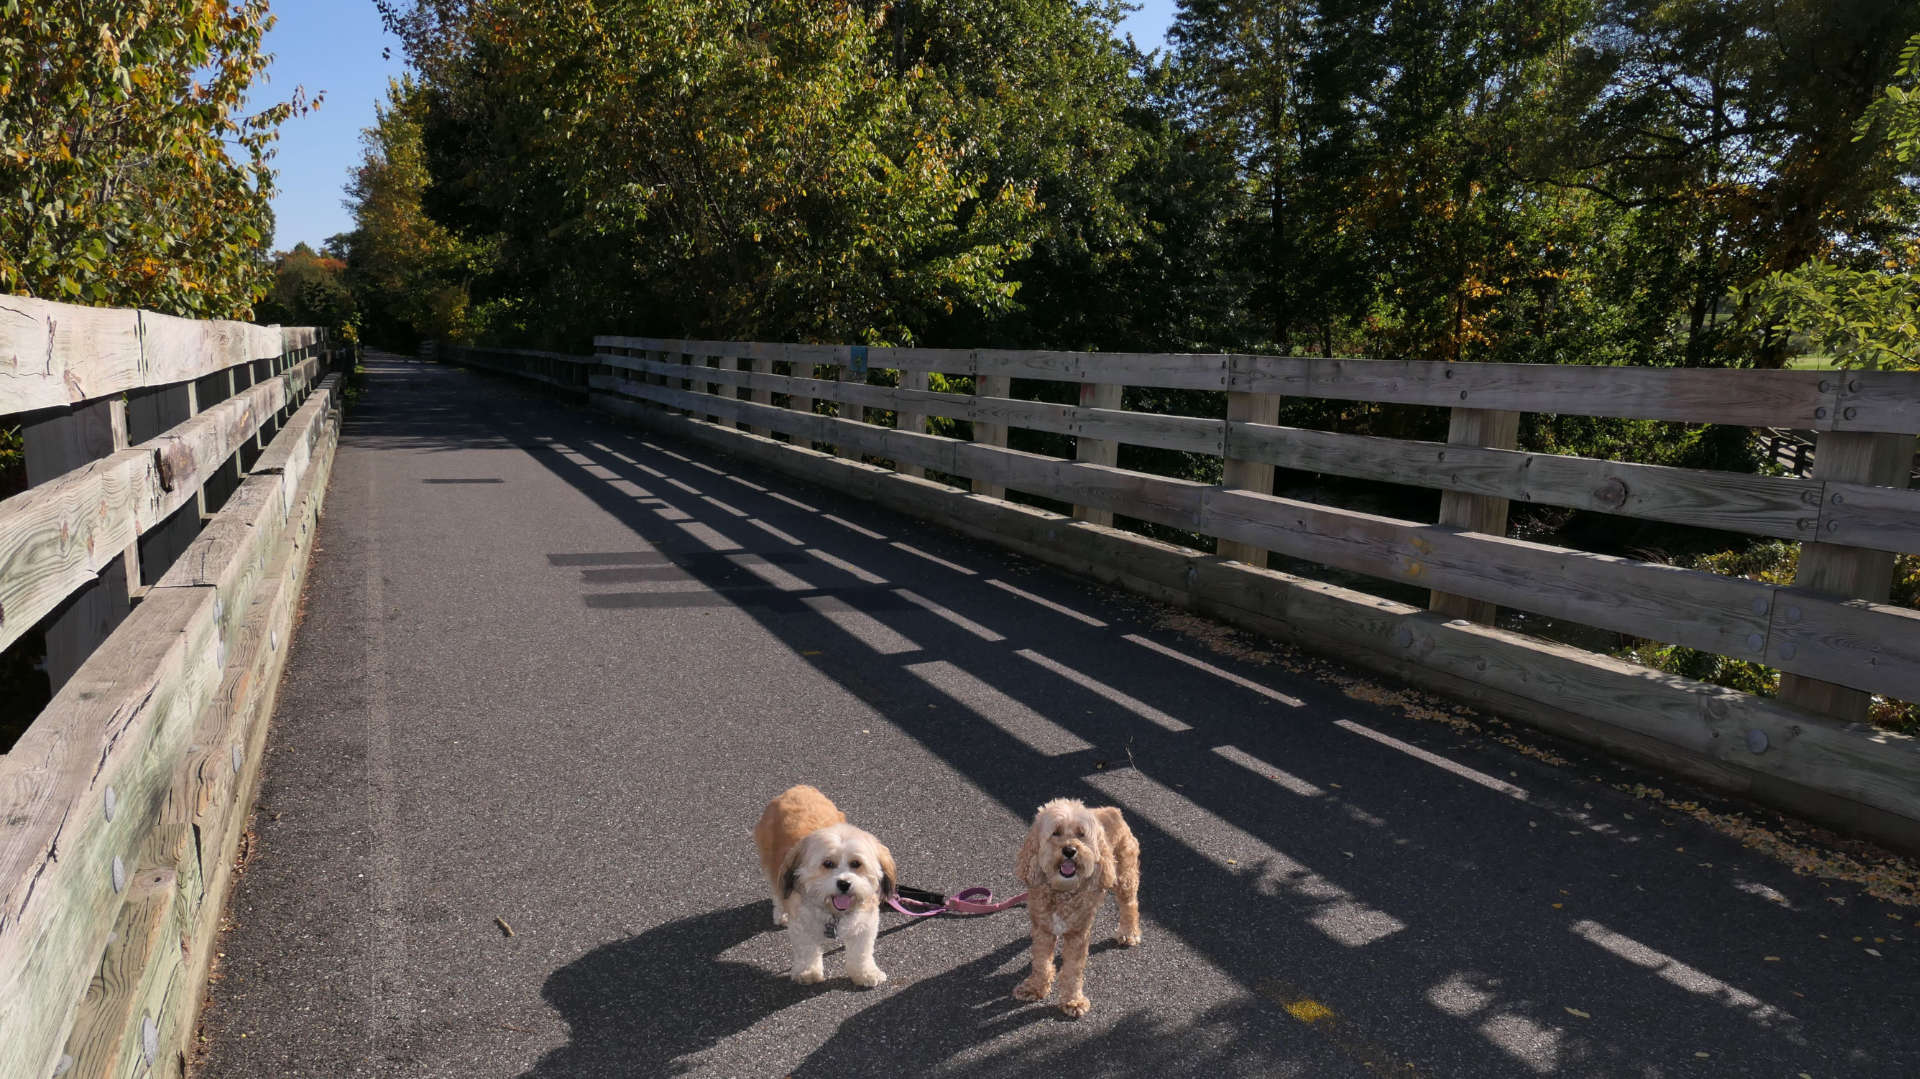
(334, 46)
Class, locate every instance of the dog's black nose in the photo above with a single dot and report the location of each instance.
(1068, 852)
(846, 885)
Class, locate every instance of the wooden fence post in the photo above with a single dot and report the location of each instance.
(53, 448)
(1846, 572)
(1099, 451)
(798, 402)
(712, 389)
(990, 434)
(149, 414)
(1248, 475)
(844, 373)
(915, 422)
(1495, 429)
(758, 364)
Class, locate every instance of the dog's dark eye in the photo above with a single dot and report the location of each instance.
(1056, 833)
(828, 864)
(855, 864)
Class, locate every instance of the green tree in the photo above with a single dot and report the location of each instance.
(727, 169)
(408, 274)
(1723, 131)
(1860, 301)
(130, 174)
(308, 289)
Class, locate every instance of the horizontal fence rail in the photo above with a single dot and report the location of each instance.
(1831, 632)
(175, 472)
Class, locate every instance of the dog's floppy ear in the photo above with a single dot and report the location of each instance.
(1029, 853)
(790, 870)
(889, 877)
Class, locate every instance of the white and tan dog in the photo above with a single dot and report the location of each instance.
(824, 872)
(1072, 858)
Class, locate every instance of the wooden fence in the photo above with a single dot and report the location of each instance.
(1832, 632)
(175, 471)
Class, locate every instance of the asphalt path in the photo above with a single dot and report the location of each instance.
(550, 668)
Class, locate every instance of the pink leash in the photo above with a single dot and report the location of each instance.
(965, 901)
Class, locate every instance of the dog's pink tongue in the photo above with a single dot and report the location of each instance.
(1068, 869)
(842, 902)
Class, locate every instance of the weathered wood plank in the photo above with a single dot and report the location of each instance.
(1857, 647)
(1880, 401)
(909, 418)
(1699, 610)
(1145, 429)
(54, 539)
(1780, 506)
(179, 349)
(108, 1038)
(1190, 434)
(1877, 401)
(96, 778)
(1846, 572)
(758, 365)
(1471, 511)
(1104, 398)
(1862, 515)
(54, 446)
(987, 432)
(120, 724)
(208, 790)
(1162, 370)
(1248, 475)
(54, 354)
(1150, 498)
(1747, 398)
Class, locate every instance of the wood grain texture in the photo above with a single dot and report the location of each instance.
(1798, 399)
(1784, 507)
(120, 723)
(1876, 401)
(207, 791)
(1699, 610)
(1245, 474)
(988, 433)
(757, 365)
(907, 417)
(1846, 572)
(1471, 510)
(1088, 449)
(53, 354)
(1882, 518)
(128, 722)
(1816, 400)
(108, 1038)
(55, 539)
(178, 349)
(1836, 652)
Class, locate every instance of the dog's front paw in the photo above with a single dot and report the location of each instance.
(1075, 1007)
(868, 978)
(1031, 989)
(809, 976)
(1127, 940)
